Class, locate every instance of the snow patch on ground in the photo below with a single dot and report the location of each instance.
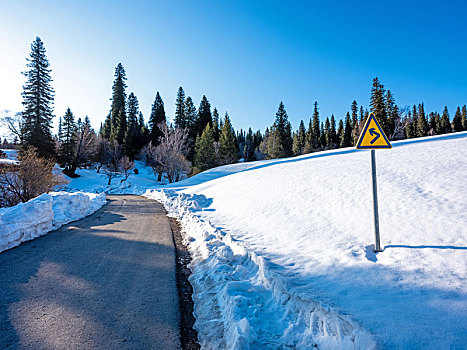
(45, 213)
(91, 181)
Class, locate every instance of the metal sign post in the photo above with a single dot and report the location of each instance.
(373, 137)
(375, 201)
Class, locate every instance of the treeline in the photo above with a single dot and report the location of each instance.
(198, 138)
(397, 123)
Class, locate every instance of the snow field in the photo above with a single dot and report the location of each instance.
(283, 249)
(45, 213)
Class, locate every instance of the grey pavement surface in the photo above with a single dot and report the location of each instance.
(104, 282)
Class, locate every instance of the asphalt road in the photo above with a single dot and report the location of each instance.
(104, 282)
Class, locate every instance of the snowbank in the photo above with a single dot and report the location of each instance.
(45, 213)
(241, 300)
(282, 249)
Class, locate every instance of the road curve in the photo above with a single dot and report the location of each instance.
(104, 282)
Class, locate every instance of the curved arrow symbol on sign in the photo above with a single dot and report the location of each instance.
(374, 133)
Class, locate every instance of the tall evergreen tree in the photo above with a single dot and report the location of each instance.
(422, 123)
(464, 117)
(106, 128)
(378, 105)
(392, 112)
(67, 140)
(445, 123)
(316, 129)
(327, 133)
(38, 98)
(299, 140)
(117, 110)
(457, 120)
(133, 132)
(227, 145)
(333, 133)
(340, 133)
(362, 114)
(309, 138)
(190, 112)
(205, 154)
(354, 109)
(215, 124)
(157, 117)
(250, 146)
(204, 116)
(346, 134)
(322, 137)
(180, 116)
(282, 131)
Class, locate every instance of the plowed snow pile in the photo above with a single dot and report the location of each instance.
(282, 254)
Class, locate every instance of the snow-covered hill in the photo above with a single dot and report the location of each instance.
(283, 249)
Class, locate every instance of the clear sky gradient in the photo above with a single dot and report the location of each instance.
(245, 56)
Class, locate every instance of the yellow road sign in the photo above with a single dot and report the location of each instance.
(372, 136)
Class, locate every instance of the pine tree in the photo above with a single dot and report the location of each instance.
(227, 145)
(133, 132)
(340, 133)
(106, 128)
(250, 146)
(190, 112)
(392, 112)
(215, 124)
(445, 123)
(457, 121)
(205, 154)
(316, 130)
(117, 110)
(144, 132)
(354, 136)
(282, 131)
(180, 116)
(299, 140)
(362, 114)
(67, 140)
(204, 116)
(422, 124)
(38, 98)
(378, 105)
(414, 130)
(60, 129)
(322, 137)
(157, 117)
(346, 134)
(327, 133)
(464, 117)
(309, 138)
(333, 133)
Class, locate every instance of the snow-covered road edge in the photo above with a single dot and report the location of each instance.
(43, 214)
(241, 301)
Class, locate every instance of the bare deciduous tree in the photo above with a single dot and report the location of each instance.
(28, 179)
(111, 158)
(13, 123)
(400, 124)
(169, 156)
(125, 165)
(85, 147)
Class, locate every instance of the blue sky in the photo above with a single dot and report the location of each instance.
(245, 56)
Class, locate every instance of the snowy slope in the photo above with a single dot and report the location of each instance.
(282, 249)
(91, 181)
